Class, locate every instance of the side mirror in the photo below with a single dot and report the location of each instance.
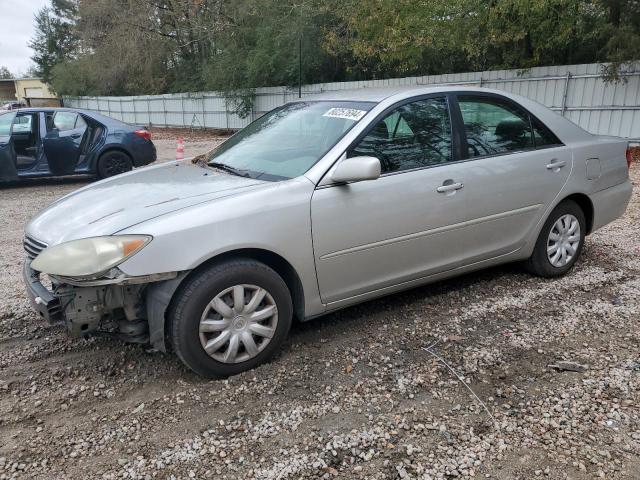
(356, 169)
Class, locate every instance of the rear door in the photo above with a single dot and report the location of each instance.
(516, 169)
(8, 171)
(63, 141)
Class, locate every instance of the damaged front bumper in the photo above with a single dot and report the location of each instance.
(117, 304)
(43, 301)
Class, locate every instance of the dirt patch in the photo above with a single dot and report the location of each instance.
(352, 395)
(196, 142)
(196, 134)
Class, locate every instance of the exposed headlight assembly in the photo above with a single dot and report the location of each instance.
(88, 256)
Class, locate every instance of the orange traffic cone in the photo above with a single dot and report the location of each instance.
(180, 149)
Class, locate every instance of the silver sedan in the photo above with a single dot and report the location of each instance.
(317, 205)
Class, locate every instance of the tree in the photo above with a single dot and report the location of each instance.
(55, 39)
(271, 42)
(122, 47)
(5, 74)
(409, 37)
(622, 34)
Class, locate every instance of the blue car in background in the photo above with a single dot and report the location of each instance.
(46, 142)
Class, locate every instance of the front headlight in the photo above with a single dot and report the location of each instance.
(89, 256)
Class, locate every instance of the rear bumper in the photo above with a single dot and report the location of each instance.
(144, 153)
(43, 301)
(610, 204)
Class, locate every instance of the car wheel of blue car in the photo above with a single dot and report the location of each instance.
(113, 163)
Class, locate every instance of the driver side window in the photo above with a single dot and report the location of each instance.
(22, 124)
(415, 135)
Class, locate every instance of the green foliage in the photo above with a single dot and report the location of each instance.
(5, 74)
(119, 47)
(72, 77)
(269, 42)
(407, 37)
(56, 38)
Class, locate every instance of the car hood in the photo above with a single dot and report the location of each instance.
(109, 206)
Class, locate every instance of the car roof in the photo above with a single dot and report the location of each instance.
(566, 130)
(89, 113)
(51, 109)
(378, 94)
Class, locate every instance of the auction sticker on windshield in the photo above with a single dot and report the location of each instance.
(346, 113)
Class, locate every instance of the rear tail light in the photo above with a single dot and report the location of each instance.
(146, 134)
(629, 157)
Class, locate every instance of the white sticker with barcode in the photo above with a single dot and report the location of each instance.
(346, 113)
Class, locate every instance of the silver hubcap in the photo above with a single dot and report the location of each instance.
(564, 239)
(238, 323)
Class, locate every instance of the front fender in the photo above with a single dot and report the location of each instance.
(276, 219)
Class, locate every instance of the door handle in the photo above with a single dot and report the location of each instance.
(450, 187)
(75, 135)
(555, 164)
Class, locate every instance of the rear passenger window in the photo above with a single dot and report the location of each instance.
(80, 123)
(415, 135)
(64, 121)
(542, 136)
(494, 127)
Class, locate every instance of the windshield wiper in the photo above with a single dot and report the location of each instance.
(229, 169)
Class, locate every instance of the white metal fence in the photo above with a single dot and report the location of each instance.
(578, 92)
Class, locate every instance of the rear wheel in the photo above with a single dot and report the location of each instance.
(112, 163)
(230, 318)
(560, 242)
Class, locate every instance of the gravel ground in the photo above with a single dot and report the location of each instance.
(353, 395)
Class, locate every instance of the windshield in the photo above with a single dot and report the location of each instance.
(289, 140)
(6, 120)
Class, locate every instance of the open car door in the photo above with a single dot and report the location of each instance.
(8, 170)
(63, 141)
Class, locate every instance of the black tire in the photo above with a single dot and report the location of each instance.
(113, 162)
(539, 263)
(194, 296)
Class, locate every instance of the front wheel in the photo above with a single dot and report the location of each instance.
(560, 242)
(230, 318)
(113, 163)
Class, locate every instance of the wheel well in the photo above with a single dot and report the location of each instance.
(584, 202)
(281, 266)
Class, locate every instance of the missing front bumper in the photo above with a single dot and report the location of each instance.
(88, 309)
(133, 308)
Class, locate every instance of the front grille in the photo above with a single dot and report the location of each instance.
(33, 247)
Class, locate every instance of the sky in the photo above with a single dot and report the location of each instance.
(16, 29)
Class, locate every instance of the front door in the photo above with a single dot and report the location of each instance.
(516, 169)
(62, 144)
(26, 140)
(402, 226)
(8, 170)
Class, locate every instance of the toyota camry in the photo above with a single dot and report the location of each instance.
(320, 204)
